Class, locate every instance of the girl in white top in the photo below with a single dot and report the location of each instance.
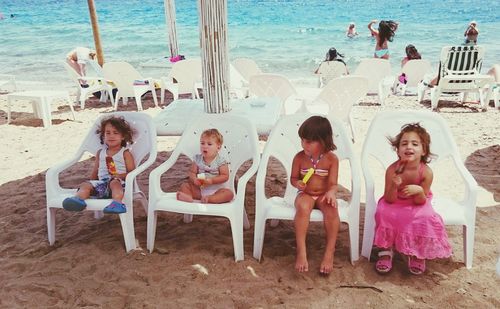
(78, 58)
(209, 173)
(112, 164)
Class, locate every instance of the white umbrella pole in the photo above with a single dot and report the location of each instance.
(214, 55)
(172, 30)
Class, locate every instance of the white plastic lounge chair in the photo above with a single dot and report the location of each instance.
(276, 86)
(338, 97)
(144, 145)
(182, 78)
(283, 144)
(240, 145)
(379, 75)
(376, 146)
(6, 80)
(329, 70)
(459, 69)
(246, 67)
(496, 87)
(95, 84)
(414, 70)
(124, 76)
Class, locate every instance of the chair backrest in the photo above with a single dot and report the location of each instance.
(389, 123)
(329, 70)
(374, 69)
(73, 74)
(144, 135)
(239, 134)
(186, 72)
(246, 67)
(342, 93)
(284, 143)
(415, 71)
(271, 85)
(123, 75)
(461, 60)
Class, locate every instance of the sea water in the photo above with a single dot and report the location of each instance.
(289, 37)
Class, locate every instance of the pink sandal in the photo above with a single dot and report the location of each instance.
(416, 266)
(384, 265)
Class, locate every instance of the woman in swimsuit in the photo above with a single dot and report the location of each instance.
(318, 191)
(384, 34)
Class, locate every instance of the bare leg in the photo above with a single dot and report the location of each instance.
(303, 206)
(85, 190)
(332, 222)
(188, 192)
(220, 196)
(116, 190)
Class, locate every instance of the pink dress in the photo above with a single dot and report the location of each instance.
(411, 229)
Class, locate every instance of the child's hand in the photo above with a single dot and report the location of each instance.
(330, 198)
(197, 182)
(208, 181)
(301, 185)
(411, 190)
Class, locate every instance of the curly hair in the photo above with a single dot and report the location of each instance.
(318, 128)
(215, 134)
(422, 133)
(121, 125)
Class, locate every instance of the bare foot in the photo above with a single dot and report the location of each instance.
(301, 264)
(327, 264)
(181, 196)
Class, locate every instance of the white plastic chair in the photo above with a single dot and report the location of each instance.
(144, 145)
(338, 97)
(379, 75)
(459, 68)
(495, 71)
(376, 146)
(123, 76)
(246, 67)
(275, 86)
(240, 145)
(414, 70)
(95, 84)
(329, 70)
(283, 144)
(186, 74)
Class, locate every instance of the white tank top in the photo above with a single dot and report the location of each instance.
(119, 160)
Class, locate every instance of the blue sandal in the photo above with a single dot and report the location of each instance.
(74, 203)
(115, 208)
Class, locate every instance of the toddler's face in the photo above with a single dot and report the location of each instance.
(410, 147)
(209, 147)
(112, 137)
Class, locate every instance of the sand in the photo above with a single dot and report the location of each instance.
(88, 266)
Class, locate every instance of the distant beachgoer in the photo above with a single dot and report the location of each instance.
(1, 16)
(405, 220)
(78, 58)
(411, 54)
(384, 34)
(332, 55)
(315, 174)
(471, 33)
(111, 165)
(209, 173)
(351, 30)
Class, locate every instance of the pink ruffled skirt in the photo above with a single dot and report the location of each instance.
(410, 229)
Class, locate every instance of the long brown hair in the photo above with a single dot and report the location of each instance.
(318, 128)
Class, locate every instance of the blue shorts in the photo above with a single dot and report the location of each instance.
(101, 188)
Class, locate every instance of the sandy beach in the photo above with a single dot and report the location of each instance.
(88, 266)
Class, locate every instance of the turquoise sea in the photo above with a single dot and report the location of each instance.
(284, 36)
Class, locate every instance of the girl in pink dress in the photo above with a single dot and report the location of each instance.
(405, 220)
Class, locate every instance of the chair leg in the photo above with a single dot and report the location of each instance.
(420, 91)
(237, 233)
(98, 214)
(138, 101)
(188, 218)
(127, 223)
(51, 225)
(496, 97)
(258, 238)
(153, 93)
(246, 223)
(435, 98)
(354, 240)
(151, 229)
(468, 243)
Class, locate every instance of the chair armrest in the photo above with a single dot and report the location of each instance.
(242, 182)
(471, 187)
(155, 175)
(52, 185)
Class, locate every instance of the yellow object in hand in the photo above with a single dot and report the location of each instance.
(308, 175)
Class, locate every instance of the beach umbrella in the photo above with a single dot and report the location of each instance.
(95, 32)
(214, 55)
(172, 32)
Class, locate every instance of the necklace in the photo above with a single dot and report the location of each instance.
(315, 162)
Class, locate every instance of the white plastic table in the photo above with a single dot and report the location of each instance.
(41, 100)
(263, 112)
